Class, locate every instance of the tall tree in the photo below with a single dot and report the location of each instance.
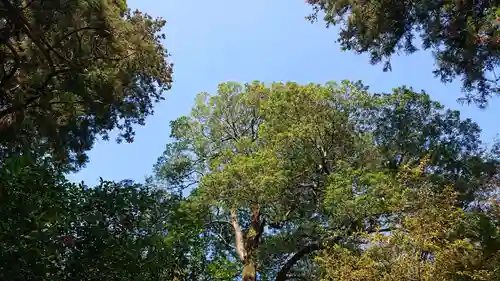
(75, 70)
(288, 170)
(464, 36)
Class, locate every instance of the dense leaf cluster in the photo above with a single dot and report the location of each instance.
(74, 70)
(464, 36)
(51, 229)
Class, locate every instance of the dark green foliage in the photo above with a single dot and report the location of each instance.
(75, 70)
(463, 35)
(408, 126)
(51, 229)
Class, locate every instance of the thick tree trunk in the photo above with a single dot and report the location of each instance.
(247, 244)
(252, 241)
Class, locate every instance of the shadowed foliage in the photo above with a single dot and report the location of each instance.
(464, 36)
(75, 70)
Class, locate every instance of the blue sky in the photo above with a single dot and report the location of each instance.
(217, 41)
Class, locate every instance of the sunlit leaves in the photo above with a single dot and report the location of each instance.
(430, 238)
(323, 165)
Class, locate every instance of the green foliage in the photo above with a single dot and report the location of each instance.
(263, 182)
(283, 182)
(72, 71)
(287, 170)
(463, 35)
(75, 70)
(434, 240)
(55, 230)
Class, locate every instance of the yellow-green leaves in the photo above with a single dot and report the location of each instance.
(429, 239)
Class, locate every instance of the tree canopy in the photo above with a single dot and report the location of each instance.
(288, 170)
(72, 71)
(75, 70)
(464, 36)
(264, 182)
(272, 182)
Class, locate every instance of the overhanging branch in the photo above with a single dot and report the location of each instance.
(283, 273)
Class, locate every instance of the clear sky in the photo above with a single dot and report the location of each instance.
(221, 40)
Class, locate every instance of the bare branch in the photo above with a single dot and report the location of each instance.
(223, 240)
(283, 273)
(322, 244)
(220, 222)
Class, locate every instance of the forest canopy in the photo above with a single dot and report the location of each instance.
(259, 181)
(291, 176)
(273, 182)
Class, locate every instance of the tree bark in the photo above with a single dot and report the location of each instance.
(238, 234)
(283, 273)
(248, 243)
(249, 270)
(252, 241)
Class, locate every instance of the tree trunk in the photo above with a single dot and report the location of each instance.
(249, 270)
(247, 244)
(252, 241)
